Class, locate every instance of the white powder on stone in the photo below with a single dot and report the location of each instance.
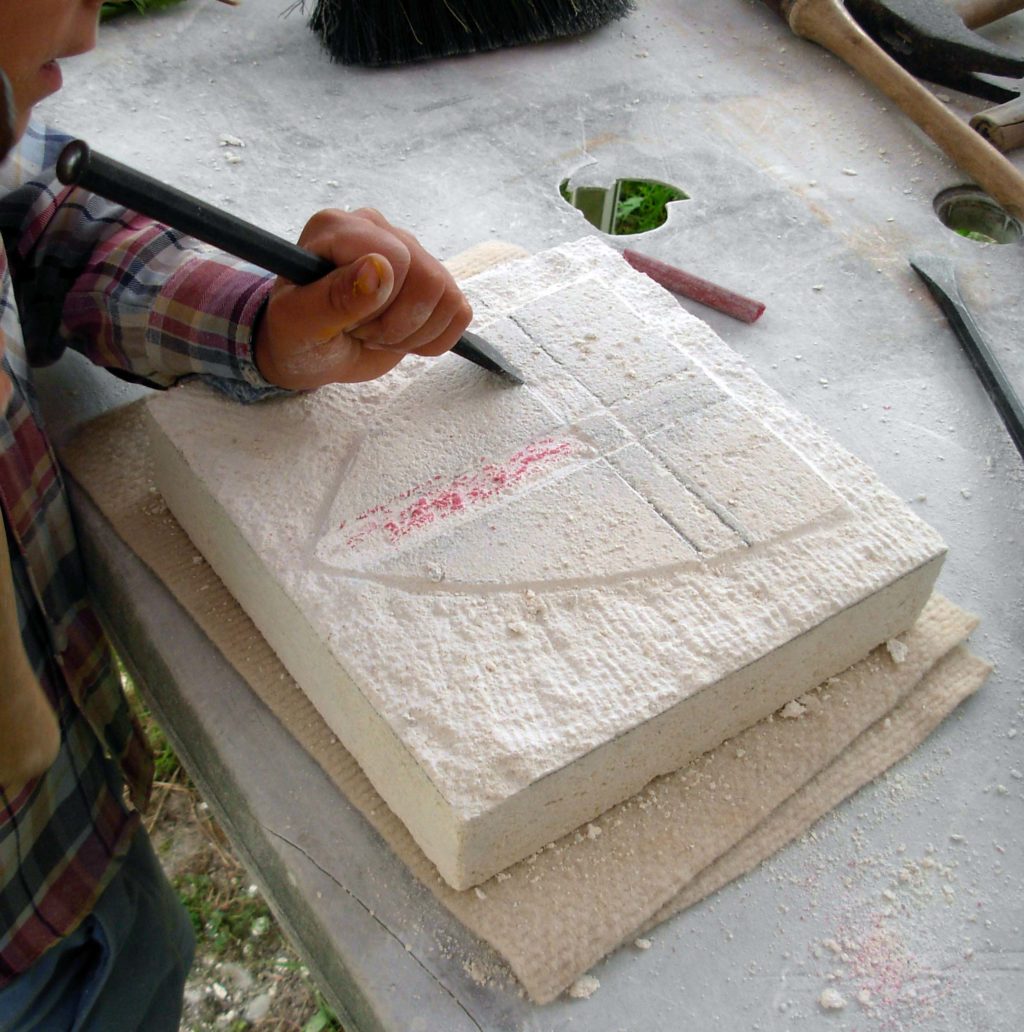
(831, 1000)
(584, 987)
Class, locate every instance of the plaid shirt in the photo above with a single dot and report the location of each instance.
(132, 295)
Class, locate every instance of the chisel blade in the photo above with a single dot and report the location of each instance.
(939, 276)
(485, 355)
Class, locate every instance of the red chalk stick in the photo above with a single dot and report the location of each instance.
(739, 307)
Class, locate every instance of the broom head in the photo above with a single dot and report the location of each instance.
(389, 32)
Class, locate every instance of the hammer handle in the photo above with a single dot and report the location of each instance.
(827, 23)
(976, 13)
(1002, 126)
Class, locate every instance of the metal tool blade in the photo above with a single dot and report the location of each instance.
(939, 275)
(932, 42)
(488, 357)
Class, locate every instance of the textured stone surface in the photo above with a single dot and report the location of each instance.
(516, 606)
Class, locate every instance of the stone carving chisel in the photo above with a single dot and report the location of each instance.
(79, 165)
(940, 278)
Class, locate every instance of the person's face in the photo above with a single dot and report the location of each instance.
(33, 35)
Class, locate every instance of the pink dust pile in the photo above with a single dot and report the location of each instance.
(904, 991)
(428, 503)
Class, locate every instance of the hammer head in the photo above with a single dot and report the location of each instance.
(931, 41)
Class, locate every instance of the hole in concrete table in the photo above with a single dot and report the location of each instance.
(627, 207)
(973, 214)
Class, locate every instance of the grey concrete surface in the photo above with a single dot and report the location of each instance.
(808, 191)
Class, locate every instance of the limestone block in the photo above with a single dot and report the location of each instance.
(516, 606)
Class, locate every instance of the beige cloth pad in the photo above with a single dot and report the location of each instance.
(554, 915)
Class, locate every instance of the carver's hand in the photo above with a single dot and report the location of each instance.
(387, 298)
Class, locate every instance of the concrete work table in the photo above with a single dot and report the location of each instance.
(808, 191)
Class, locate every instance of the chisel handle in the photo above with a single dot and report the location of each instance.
(1002, 126)
(79, 165)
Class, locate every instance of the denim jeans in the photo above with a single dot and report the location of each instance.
(122, 970)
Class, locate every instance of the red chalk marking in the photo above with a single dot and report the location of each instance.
(428, 503)
(707, 293)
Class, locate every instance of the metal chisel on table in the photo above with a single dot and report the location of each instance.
(79, 165)
(939, 275)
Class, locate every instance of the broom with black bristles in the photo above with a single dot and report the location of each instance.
(390, 32)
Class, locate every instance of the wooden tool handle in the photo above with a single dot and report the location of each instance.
(976, 13)
(827, 23)
(1002, 126)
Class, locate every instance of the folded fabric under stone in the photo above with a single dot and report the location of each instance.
(553, 917)
(644, 859)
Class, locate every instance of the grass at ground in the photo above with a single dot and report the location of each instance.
(642, 205)
(113, 8)
(246, 976)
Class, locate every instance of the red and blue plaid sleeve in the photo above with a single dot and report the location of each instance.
(129, 293)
